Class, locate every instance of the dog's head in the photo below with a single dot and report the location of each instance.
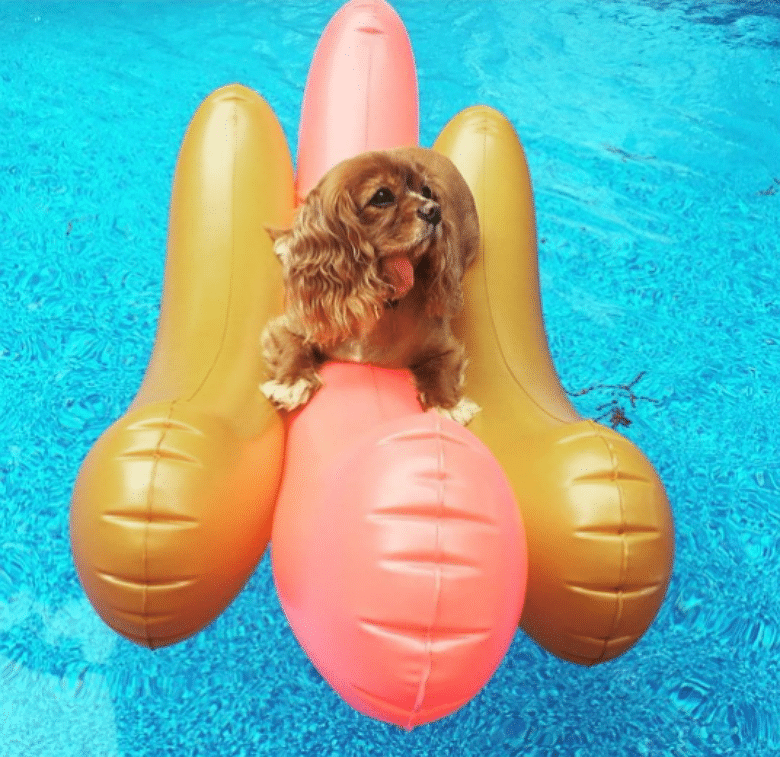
(375, 227)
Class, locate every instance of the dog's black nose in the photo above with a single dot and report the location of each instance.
(430, 212)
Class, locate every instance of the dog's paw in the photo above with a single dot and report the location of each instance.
(289, 396)
(462, 413)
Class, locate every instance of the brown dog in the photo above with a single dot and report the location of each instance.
(373, 267)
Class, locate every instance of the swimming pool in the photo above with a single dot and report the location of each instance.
(652, 135)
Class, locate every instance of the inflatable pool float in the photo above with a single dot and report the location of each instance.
(398, 549)
(361, 91)
(598, 523)
(172, 507)
(175, 503)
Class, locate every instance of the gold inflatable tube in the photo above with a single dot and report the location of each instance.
(599, 526)
(173, 505)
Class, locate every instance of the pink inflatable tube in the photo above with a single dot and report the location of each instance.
(361, 93)
(397, 546)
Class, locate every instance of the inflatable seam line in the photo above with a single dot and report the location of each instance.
(517, 381)
(231, 284)
(367, 120)
(438, 577)
(149, 508)
(597, 430)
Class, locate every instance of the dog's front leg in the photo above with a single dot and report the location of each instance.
(440, 376)
(292, 366)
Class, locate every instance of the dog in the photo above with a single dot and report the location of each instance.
(373, 268)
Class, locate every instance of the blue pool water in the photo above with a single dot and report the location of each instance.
(653, 135)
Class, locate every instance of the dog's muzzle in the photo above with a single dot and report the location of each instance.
(430, 212)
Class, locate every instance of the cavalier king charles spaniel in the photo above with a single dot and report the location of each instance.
(373, 267)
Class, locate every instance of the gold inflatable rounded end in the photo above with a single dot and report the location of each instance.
(234, 91)
(171, 513)
(511, 373)
(601, 542)
(598, 523)
(478, 119)
(172, 507)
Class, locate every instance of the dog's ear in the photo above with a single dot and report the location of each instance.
(469, 224)
(280, 238)
(331, 282)
(456, 251)
(275, 232)
(443, 292)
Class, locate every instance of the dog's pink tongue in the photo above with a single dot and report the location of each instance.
(401, 275)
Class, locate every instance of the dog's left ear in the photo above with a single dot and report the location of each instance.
(443, 296)
(279, 238)
(275, 232)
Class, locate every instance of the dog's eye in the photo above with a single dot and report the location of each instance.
(382, 198)
(426, 193)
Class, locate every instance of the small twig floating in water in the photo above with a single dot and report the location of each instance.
(617, 416)
(771, 189)
(614, 409)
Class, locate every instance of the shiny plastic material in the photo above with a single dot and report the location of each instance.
(598, 522)
(361, 93)
(398, 551)
(172, 507)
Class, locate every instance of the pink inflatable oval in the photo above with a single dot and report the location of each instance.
(397, 547)
(361, 92)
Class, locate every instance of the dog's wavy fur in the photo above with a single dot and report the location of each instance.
(342, 302)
